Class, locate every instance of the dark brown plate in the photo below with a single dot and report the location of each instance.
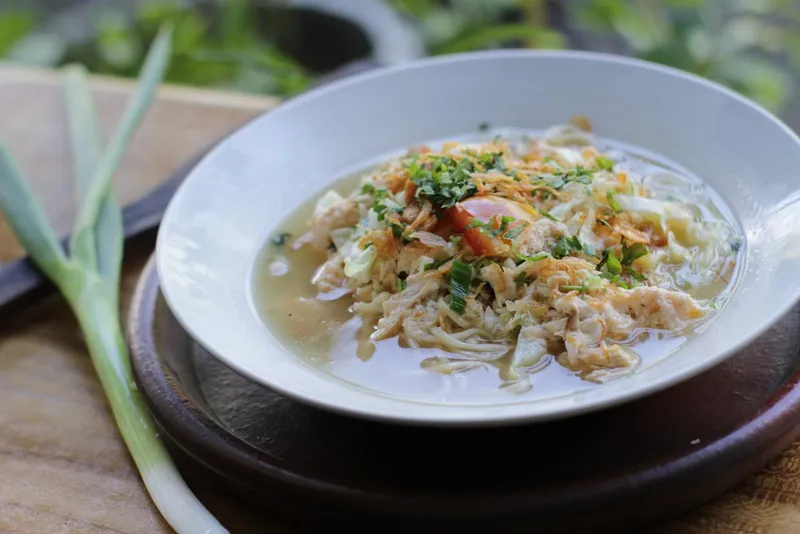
(623, 467)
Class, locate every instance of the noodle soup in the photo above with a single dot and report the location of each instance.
(499, 268)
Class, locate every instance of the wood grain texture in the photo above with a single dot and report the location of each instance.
(63, 467)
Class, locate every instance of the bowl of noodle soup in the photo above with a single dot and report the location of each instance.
(426, 245)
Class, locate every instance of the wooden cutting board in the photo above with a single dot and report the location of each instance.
(63, 466)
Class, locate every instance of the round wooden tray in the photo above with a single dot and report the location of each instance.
(617, 469)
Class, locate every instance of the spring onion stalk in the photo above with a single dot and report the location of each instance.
(89, 277)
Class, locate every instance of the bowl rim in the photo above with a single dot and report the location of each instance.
(480, 418)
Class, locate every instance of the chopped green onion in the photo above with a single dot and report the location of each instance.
(605, 223)
(566, 245)
(613, 202)
(514, 233)
(612, 264)
(632, 253)
(536, 257)
(573, 288)
(460, 279)
(521, 278)
(401, 284)
(434, 265)
(637, 275)
(603, 259)
(615, 279)
(604, 163)
(547, 214)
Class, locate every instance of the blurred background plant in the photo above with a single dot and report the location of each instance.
(282, 47)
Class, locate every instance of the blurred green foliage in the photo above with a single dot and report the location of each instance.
(216, 45)
(752, 46)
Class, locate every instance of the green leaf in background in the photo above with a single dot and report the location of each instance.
(415, 8)
(758, 78)
(489, 36)
(116, 41)
(13, 27)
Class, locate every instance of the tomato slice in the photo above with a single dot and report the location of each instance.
(484, 209)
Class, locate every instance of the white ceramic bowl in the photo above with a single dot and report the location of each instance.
(243, 189)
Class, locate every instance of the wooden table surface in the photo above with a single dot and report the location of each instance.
(63, 466)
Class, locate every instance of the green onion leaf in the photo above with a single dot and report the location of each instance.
(514, 233)
(612, 264)
(604, 163)
(637, 275)
(547, 214)
(86, 150)
(566, 245)
(434, 265)
(573, 288)
(632, 253)
(401, 284)
(521, 278)
(460, 279)
(26, 217)
(536, 257)
(82, 245)
(613, 202)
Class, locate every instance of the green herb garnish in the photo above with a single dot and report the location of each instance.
(604, 163)
(613, 202)
(613, 265)
(615, 279)
(566, 245)
(401, 284)
(521, 278)
(460, 279)
(539, 256)
(492, 161)
(434, 265)
(443, 180)
(573, 288)
(632, 253)
(546, 213)
(636, 275)
(578, 174)
(513, 233)
(501, 230)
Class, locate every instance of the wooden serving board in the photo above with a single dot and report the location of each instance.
(63, 466)
(660, 455)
